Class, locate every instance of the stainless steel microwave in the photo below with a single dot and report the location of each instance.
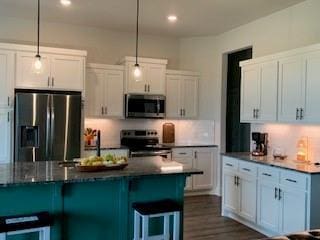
(145, 106)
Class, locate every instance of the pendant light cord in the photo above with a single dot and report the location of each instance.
(137, 32)
(38, 45)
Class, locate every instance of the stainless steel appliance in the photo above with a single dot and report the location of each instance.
(143, 143)
(261, 144)
(144, 106)
(47, 125)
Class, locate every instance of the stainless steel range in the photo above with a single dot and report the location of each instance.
(143, 143)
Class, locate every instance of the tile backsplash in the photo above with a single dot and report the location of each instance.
(286, 137)
(186, 131)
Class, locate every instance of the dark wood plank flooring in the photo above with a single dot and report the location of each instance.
(203, 221)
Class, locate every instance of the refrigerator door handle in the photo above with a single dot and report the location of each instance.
(52, 126)
(48, 133)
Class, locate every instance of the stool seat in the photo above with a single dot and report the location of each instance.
(157, 207)
(23, 222)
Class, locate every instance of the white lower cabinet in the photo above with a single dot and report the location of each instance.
(274, 201)
(6, 133)
(202, 158)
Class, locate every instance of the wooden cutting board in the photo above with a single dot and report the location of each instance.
(168, 135)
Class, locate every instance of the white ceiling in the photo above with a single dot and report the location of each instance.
(196, 17)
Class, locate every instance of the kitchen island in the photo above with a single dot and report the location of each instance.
(89, 205)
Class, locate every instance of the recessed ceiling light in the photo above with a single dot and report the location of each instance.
(172, 18)
(65, 2)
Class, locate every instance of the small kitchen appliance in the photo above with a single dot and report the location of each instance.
(261, 143)
(144, 143)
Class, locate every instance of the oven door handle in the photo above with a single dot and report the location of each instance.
(150, 153)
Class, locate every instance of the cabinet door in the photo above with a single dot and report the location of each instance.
(26, 77)
(6, 78)
(67, 72)
(248, 197)
(268, 206)
(291, 87)
(187, 161)
(156, 75)
(136, 85)
(268, 92)
(311, 112)
(203, 160)
(114, 93)
(190, 96)
(293, 211)
(173, 96)
(5, 125)
(250, 87)
(95, 84)
(230, 192)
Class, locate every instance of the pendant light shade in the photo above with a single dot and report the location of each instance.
(137, 69)
(37, 64)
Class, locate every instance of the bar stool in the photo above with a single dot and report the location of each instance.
(22, 224)
(165, 209)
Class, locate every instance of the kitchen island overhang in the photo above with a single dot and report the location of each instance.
(89, 205)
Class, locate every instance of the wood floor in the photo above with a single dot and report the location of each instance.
(203, 221)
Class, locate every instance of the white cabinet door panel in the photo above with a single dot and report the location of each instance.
(190, 96)
(95, 85)
(6, 78)
(26, 77)
(203, 161)
(136, 84)
(291, 85)
(268, 92)
(248, 198)
(156, 75)
(293, 211)
(67, 72)
(114, 93)
(173, 96)
(5, 125)
(312, 98)
(268, 206)
(230, 192)
(250, 82)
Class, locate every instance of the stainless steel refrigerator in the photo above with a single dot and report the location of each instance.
(47, 126)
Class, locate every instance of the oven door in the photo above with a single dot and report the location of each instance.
(145, 106)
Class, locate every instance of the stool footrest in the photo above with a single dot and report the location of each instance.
(157, 207)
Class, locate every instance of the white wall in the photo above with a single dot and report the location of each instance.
(103, 46)
(290, 28)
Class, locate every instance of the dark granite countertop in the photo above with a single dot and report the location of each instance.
(49, 172)
(309, 168)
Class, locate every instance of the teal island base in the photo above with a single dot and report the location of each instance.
(91, 210)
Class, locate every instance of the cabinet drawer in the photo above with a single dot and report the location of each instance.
(182, 152)
(248, 168)
(230, 163)
(269, 173)
(293, 179)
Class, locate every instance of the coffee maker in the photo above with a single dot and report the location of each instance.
(261, 142)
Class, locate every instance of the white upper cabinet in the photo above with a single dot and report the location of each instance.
(152, 79)
(62, 70)
(259, 92)
(104, 91)
(6, 78)
(182, 94)
(291, 88)
(26, 77)
(67, 72)
(311, 112)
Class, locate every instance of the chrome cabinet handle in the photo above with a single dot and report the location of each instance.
(257, 113)
(235, 180)
(195, 154)
(148, 88)
(102, 110)
(8, 117)
(48, 81)
(246, 169)
(229, 164)
(52, 81)
(297, 113)
(8, 101)
(301, 113)
(280, 194)
(106, 110)
(267, 174)
(275, 193)
(290, 180)
(254, 113)
(181, 112)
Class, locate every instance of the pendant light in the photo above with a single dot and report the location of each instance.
(137, 70)
(37, 65)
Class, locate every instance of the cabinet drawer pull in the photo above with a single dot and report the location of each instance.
(246, 169)
(48, 81)
(297, 113)
(275, 193)
(148, 88)
(8, 117)
(8, 101)
(301, 113)
(235, 180)
(229, 164)
(183, 153)
(52, 81)
(145, 87)
(280, 194)
(238, 181)
(290, 180)
(102, 110)
(267, 174)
